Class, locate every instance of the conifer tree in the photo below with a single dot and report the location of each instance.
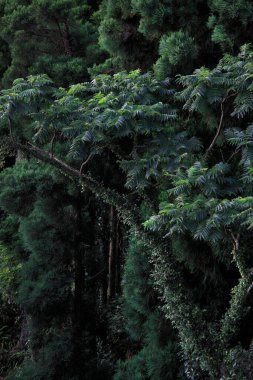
(58, 38)
(59, 301)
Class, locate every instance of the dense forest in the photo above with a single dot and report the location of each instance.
(126, 190)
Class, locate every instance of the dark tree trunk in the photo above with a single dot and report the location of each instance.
(24, 333)
(65, 38)
(118, 257)
(112, 259)
(78, 320)
(104, 248)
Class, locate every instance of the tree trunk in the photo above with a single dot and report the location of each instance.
(112, 255)
(65, 38)
(104, 248)
(118, 257)
(20, 155)
(24, 333)
(79, 273)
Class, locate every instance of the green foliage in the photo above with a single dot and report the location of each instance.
(128, 106)
(230, 22)
(131, 33)
(60, 34)
(159, 17)
(157, 357)
(120, 37)
(129, 138)
(59, 332)
(178, 52)
(109, 66)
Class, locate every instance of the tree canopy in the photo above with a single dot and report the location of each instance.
(126, 198)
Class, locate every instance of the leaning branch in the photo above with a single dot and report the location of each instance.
(107, 195)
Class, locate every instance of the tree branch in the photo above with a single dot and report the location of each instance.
(219, 126)
(85, 162)
(217, 133)
(107, 195)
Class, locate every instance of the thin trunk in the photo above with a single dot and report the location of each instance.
(105, 258)
(118, 257)
(112, 255)
(77, 317)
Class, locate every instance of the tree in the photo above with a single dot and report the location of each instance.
(56, 292)
(127, 116)
(61, 34)
(131, 34)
